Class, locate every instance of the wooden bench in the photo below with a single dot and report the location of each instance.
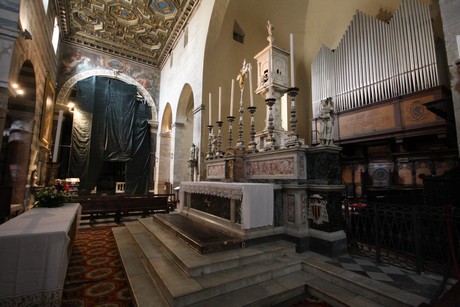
(118, 206)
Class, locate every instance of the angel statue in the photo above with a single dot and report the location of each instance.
(270, 29)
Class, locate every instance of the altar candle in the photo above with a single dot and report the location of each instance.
(210, 122)
(231, 97)
(251, 99)
(292, 59)
(220, 103)
(270, 81)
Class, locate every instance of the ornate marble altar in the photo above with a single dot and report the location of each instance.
(236, 208)
(306, 203)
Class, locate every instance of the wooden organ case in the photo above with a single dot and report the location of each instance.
(392, 109)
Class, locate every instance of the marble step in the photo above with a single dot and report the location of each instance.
(195, 264)
(331, 276)
(200, 237)
(267, 293)
(143, 288)
(181, 289)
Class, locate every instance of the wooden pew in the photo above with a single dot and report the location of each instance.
(118, 206)
(146, 204)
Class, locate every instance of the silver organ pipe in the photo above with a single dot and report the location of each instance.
(377, 60)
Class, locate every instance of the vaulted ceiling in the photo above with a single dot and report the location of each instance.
(141, 30)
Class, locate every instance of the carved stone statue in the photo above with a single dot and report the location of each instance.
(270, 29)
(34, 178)
(327, 122)
(193, 155)
(193, 162)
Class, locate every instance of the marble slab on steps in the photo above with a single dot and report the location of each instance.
(182, 290)
(196, 264)
(143, 289)
(266, 293)
(203, 239)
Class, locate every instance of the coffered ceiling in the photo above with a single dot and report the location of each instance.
(141, 30)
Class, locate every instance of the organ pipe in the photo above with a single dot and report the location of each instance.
(377, 60)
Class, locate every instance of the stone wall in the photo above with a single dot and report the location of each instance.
(30, 16)
(450, 13)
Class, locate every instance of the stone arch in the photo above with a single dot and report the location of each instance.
(183, 135)
(66, 89)
(164, 150)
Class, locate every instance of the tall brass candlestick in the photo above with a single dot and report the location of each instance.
(252, 145)
(230, 119)
(210, 155)
(293, 135)
(240, 142)
(271, 141)
(219, 153)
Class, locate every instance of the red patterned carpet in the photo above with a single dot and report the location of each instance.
(95, 276)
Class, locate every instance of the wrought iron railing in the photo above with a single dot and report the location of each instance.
(406, 234)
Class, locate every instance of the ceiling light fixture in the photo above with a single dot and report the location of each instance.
(71, 106)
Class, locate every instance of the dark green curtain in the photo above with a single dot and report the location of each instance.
(106, 128)
(137, 169)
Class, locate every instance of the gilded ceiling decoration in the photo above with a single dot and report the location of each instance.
(141, 30)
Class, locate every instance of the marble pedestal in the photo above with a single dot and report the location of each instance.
(307, 194)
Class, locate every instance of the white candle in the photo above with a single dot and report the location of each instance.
(231, 97)
(251, 99)
(292, 59)
(270, 81)
(58, 136)
(328, 89)
(220, 103)
(210, 122)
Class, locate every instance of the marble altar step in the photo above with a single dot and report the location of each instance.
(203, 239)
(195, 264)
(246, 267)
(145, 291)
(165, 271)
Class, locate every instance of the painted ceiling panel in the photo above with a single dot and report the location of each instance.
(141, 30)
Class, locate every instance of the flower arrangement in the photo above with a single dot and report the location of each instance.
(52, 197)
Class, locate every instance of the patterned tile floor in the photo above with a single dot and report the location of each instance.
(426, 284)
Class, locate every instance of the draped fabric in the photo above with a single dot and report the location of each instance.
(108, 126)
(137, 169)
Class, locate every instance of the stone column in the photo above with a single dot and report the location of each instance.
(4, 96)
(18, 158)
(449, 10)
(153, 147)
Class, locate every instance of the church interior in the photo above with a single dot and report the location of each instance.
(238, 148)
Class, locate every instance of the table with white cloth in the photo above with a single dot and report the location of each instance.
(256, 199)
(35, 248)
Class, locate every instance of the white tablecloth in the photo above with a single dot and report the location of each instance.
(34, 254)
(256, 199)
